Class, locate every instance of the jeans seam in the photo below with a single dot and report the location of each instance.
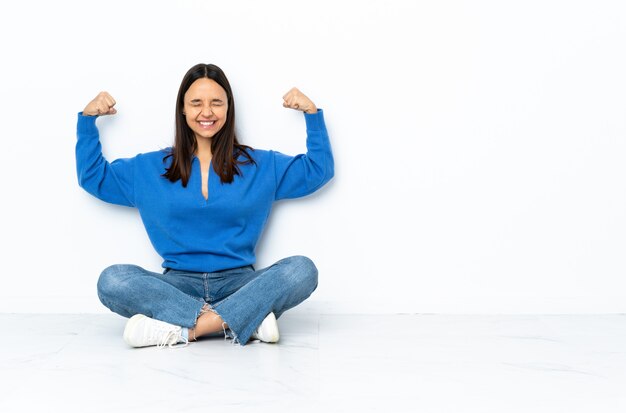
(205, 280)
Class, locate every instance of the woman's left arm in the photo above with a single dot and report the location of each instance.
(304, 174)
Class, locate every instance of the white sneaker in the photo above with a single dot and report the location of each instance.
(143, 331)
(268, 330)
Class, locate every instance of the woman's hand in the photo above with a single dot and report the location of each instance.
(294, 99)
(101, 105)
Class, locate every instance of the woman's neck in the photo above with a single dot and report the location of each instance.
(204, 149)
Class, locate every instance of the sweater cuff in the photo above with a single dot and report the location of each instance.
(86, 124)
(315, 121)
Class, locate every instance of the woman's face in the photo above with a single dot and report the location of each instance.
(205, 107)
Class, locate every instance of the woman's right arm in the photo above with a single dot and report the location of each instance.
(110, 182)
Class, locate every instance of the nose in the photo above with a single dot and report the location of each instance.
(207, 111)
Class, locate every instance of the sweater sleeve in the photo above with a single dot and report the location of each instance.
(111, 182)
(301, 175)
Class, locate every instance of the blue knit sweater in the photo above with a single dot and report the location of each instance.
(190, 232)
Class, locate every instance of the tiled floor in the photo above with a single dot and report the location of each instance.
(324, 363)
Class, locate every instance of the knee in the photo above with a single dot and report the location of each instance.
(113, 279)
(304, 272)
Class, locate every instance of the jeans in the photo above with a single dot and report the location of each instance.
(242, 297)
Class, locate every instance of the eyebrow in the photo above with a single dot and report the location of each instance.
(200, 100)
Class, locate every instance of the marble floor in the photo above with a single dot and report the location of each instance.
(323, 363)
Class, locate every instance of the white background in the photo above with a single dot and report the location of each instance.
(479, 145)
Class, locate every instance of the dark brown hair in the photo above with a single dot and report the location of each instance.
(225, 148)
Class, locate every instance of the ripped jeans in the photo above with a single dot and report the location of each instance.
(242, 297)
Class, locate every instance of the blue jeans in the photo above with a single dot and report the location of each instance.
(243, 297)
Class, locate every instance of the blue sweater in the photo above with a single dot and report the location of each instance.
(190, 232)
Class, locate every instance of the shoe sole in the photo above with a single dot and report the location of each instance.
(130, 325)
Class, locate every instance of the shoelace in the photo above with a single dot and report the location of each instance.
(170, 338)
(172, 334)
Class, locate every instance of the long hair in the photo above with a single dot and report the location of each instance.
(225, 148)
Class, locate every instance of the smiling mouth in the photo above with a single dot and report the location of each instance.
(206, 123)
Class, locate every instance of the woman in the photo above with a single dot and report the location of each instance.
(204, 203)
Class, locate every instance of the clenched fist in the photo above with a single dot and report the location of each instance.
(294, 99)
(100, 105)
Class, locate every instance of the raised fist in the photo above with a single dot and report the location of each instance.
(100, 105)
(294, 99)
